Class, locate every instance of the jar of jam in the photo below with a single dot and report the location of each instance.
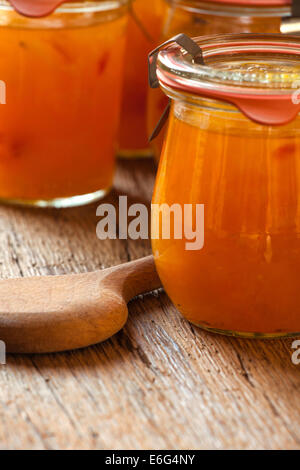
(200, 18)
(233, 149)
(58, 128)
(144, 31)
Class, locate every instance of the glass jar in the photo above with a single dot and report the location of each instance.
(233, 148)
(143, 35)
(206, 17)
(58, 128)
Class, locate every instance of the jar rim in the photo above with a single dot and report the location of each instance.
(238, 67)
(257, 8)
(217, 49)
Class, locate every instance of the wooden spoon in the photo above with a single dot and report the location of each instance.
(59, 313)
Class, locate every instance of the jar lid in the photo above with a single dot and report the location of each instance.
(36, 8)
(259, 74)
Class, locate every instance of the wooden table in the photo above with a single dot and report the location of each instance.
(158, 384)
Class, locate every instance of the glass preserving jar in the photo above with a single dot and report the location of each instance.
(144, 31)
(63, 77)
(233, 145)
(206, 17)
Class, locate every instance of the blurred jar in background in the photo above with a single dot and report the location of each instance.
(63, 76)
(144, 31)
(200, 18)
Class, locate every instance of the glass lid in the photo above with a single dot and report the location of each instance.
(260, 74)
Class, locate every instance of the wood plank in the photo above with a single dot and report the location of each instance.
(160, 383)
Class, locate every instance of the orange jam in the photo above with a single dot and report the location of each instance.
(143, 35)
(245, 279)
(63, 76)
(200, 18)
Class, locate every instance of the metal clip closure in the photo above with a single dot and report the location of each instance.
(161, 123)
(291, 24)
(183, 41)
(189, 46)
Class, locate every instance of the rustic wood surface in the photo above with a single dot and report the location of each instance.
(158, 384)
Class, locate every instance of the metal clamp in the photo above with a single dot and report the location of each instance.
(291, 24)
(189, 46)
(183, 41)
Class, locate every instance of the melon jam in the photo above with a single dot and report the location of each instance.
(63, 77)
(144, 32)
(246, 172)
(200, 18)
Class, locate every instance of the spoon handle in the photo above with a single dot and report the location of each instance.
(133, 278)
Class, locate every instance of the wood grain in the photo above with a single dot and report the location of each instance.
(160, 383)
